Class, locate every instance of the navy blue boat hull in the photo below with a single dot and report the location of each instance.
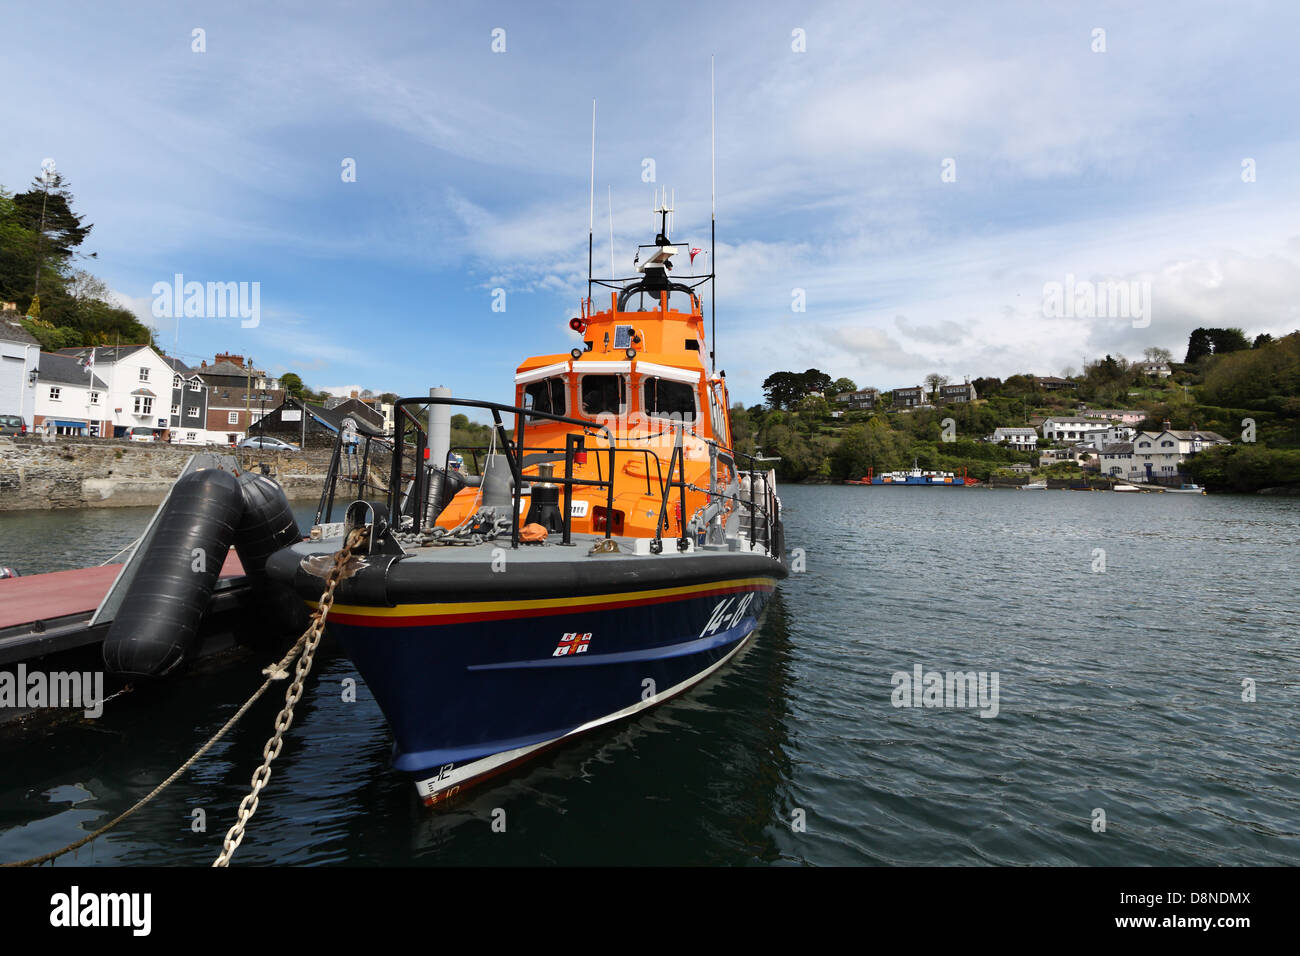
(472, 688)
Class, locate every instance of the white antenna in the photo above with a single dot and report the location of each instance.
(591, 209)
(611, 231)
(591, 206)
(713, 221)
(713, 143)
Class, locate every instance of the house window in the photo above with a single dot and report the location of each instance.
(176, 381)
(1166, 444)
(193, 411)
(195, 386)
(191, 436)
(232, 418)
(143, 405)
(54, 393)
(94, 398)
(176, 409)
(94, 429)
(144, 375)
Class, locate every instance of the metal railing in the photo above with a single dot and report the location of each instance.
(411, 477)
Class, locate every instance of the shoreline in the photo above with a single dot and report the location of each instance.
(65, 474)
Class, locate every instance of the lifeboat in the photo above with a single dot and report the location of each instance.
(607, 550)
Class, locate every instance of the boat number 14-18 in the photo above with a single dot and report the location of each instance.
(727, 615)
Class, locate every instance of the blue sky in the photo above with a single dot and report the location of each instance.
(472, 174)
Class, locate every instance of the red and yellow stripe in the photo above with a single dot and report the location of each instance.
(413, 615)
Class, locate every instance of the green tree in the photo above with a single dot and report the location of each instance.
(783, 389)
(1229, 340)
(292, 383)
(1199, 344)
(842, 385)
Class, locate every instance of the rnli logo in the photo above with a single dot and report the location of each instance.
(572, 644)
(727, 614)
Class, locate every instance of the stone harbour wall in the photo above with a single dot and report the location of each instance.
(109, 473)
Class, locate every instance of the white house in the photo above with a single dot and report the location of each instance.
(18, 367)
(70, 399)
(1021, 439)
(1066, 429)
(1116, 461)
(139, 387)
(1113, 435)
(1158, 369)
(1160, 454)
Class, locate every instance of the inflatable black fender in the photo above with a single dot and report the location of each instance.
(158, 626)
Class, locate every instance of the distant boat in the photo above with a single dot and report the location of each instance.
(1125, 487)
(1033, 486)
(914, 477)
(1190, 489)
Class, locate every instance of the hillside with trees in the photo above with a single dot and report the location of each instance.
(1246, 390)
(41, 239)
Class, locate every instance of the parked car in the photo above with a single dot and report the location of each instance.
(12, 425)
(140, 433)
(267, 443)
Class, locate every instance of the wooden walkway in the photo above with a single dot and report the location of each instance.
(45, 597)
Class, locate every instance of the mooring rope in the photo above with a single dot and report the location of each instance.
(305, 645)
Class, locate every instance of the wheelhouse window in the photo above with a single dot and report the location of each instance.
(546, 396)
(603, 395)
(665, 399)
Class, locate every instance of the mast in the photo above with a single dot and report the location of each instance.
(713, 219)
(591, 207)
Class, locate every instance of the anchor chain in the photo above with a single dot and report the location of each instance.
(309, 641)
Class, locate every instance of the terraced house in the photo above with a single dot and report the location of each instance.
(238, 395)
(139, 394)
(70, 399)
(189, 411)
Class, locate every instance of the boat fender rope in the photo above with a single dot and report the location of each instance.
(309, 641)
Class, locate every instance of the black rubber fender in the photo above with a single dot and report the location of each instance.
(267, 525)
(157, 628)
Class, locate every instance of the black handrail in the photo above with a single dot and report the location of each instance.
(515, 451)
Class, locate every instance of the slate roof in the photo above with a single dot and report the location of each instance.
(104, 355)
(59, 369)
(11, 331)
(333, 419)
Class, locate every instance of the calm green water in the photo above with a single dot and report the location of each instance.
(1119, 690)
